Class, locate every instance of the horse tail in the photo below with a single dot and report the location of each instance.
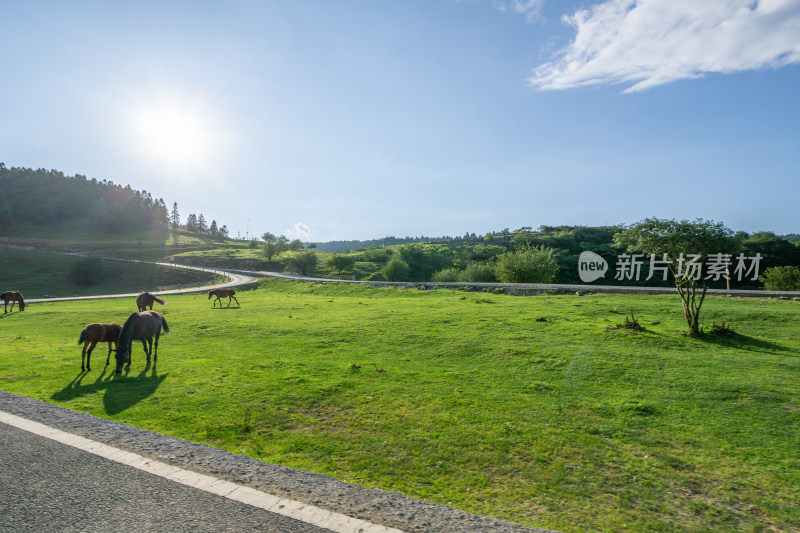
(4, 295)
(82, 338)
(164, 324)
(159, 300)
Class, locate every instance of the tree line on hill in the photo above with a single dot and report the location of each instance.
(549, 254)
(42, 196)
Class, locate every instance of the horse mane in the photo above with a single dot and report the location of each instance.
(125, 336)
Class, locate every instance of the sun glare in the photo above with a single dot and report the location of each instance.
(175, 135)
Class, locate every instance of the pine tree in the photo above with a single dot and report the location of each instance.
(175, 218)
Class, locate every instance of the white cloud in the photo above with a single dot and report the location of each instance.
(300, 231)
(652, 42)
(529, 8)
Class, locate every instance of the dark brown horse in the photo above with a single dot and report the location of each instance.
(143, 326)
(222, 293)
(13, 296)
(94, 333)
(146, 299)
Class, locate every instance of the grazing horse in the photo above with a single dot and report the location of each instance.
(13, 296)
(146, 299)
(143, 326)
(222, 293)
(94, 333)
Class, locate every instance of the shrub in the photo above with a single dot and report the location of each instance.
(304, 262)
(341, 263)
(86, 272)
(781, 278)
(448, 274)
(396, 270)
(479, 273)
(528, 265)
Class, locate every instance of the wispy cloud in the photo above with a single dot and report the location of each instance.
(529, 8)
(652, 42)
(300, 231)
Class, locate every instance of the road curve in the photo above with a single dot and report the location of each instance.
(235, 279)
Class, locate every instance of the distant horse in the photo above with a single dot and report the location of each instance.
(143, 326)
(94, 333)
(222, 293)
(146, 299)
(13, 296)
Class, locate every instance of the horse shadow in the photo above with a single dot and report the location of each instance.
(121, 391)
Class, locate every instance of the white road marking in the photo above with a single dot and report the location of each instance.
(293, 509)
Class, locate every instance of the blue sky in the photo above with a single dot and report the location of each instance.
(358, 119)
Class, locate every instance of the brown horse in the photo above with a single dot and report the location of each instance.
(143, 326)
(13, 296)
(94, 333)
(146, 299)
(222, 293)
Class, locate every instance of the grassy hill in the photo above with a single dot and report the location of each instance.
(539, 410)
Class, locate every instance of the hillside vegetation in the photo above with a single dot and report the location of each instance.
(539, 410)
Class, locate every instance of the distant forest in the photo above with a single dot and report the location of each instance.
(42, 196)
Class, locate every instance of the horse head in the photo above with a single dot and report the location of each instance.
(123, 355)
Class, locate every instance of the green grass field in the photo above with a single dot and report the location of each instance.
(537, 410)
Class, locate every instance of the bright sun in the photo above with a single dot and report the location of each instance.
(175, 135)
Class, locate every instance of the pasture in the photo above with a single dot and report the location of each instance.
(537, 410)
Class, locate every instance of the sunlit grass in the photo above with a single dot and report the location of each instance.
(537, 410)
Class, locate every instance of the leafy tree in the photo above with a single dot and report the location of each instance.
(396, 270)
(295, 245)
(304, 262)
(213, 229)
(273, 245)
(781, 278)
(535, 264)
(674, 239)
(341, 263)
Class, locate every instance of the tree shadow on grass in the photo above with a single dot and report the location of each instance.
(121, 391)
(741, 341)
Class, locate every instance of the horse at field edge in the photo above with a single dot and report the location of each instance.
(13, 297)
(143, 326)
(222, 293)
(94, 333)
(146, 299)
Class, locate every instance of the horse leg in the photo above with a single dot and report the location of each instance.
(83, 355)
(148, 352)
(158, 334)
(229, 301)
(109, 351)
(237, 301)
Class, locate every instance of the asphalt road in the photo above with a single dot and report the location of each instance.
(49, 486)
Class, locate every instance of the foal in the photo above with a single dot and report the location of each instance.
(94, 333)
